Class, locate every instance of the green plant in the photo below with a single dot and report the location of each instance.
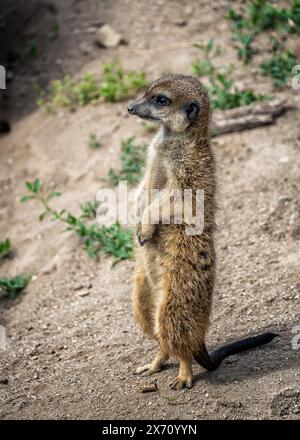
(236, 18)
(261, 15)
(118, 84)
(10, 287)
(87, 90)
(93, 141)
(205, 67)
(5, 247)
(89, 209)
(110, 240)
(132, 163)
(115, 84)
(225, 95)
(295, 15)
(67, 92)
(244, 46)
(279, 67)
(264, 15)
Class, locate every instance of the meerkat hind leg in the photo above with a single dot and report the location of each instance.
(185, 375)
(156, 366)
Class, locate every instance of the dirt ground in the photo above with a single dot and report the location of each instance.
(72, 343)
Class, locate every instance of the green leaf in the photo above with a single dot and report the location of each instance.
(10, 287)
(52, 195)
(5, 247)
(43, 215)
(34, 186)
(26, 198)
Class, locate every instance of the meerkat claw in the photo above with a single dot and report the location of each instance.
(179, 383)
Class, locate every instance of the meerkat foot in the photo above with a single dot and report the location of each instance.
(156, 366)
(181, 382)
(148, 369)
(185, 375)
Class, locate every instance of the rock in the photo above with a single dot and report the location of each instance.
(188, 10)
(3, 381)
(148, 387)
(180, 22)
(108, 37)
(83, 293)
(232, 359)
(85, 48)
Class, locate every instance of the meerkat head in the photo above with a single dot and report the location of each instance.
(178, 102)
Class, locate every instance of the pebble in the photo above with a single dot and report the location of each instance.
(85, 48)
(108, 37)
(84, 293)
(149, 387)
(3, 381)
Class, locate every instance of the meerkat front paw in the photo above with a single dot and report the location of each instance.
(145, 233)
(148, 370)
(181, 382)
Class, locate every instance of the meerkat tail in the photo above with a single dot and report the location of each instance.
(212, 361)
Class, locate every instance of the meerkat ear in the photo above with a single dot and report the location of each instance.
(192, 110)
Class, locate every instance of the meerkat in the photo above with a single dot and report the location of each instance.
(175, 271)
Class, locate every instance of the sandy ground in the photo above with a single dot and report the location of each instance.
(72, 356)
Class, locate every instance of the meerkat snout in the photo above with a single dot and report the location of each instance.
(130, 109)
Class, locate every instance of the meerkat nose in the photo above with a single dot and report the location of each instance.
(130, 109)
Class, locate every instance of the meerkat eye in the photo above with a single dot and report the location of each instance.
(162, 100)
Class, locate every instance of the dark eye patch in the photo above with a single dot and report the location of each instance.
(162, 100)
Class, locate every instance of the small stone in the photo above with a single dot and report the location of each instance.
(83, 293)
(3, 381)
(108, 37)
(180, 22)
(85, 48)
(149, 387)
(188, 10)
(232, 359)
(283, 159)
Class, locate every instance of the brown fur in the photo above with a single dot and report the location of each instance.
(175, 272)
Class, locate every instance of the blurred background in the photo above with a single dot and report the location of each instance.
(65, 282)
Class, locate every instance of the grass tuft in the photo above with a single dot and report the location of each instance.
(132, 163)
(11, 287)
(279, 67)
(115, 84)
(5, 247)
(93, 141)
